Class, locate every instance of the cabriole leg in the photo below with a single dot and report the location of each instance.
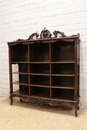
(76, 107)
(11, 98)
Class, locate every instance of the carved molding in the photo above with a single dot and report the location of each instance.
(44, 102)
(46, 34)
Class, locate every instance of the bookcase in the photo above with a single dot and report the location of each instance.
(47, 68)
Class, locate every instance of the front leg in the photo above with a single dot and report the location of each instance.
(76, 107)
(11, 98)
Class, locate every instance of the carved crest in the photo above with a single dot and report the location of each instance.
(45, 33)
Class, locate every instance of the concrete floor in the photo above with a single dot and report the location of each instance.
(28, 116)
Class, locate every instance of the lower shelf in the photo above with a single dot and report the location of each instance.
(40, 96)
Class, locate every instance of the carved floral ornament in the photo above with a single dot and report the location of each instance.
(45, 102)
(45, 33)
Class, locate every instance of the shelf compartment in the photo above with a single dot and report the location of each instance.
(62, 68)
(23, 68)
(64, 94)
(40, 80)
(39, 68)
(39, 52)
(23, 78)
(24, 89)
(20, 68)
(19, 53)
(67, 81)
(62, 51)
(40, 92)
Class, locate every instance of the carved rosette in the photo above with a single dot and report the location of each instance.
(45, 33)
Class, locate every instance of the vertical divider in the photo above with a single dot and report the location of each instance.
(29, 67)
(50, 68)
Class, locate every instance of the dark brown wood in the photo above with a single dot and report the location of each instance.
(48, 68)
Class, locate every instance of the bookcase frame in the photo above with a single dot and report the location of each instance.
(47, 68)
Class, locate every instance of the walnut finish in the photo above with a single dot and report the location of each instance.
(47, 68)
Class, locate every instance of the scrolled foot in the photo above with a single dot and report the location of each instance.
(76, 114)
(21, 100)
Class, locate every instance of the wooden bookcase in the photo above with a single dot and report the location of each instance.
(47, 68)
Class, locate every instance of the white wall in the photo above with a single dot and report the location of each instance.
(20, 18)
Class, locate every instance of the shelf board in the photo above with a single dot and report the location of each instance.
(45, 85)
(30, 73)
(62, 62)
(42, 62)
(52, 74)
(44, 74)
(17, 82)
(53, 62)
(19, 62)
(20, 73)
(62, 75)
(63, 87)
(39, 85)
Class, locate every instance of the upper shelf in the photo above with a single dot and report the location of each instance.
(43, 52)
